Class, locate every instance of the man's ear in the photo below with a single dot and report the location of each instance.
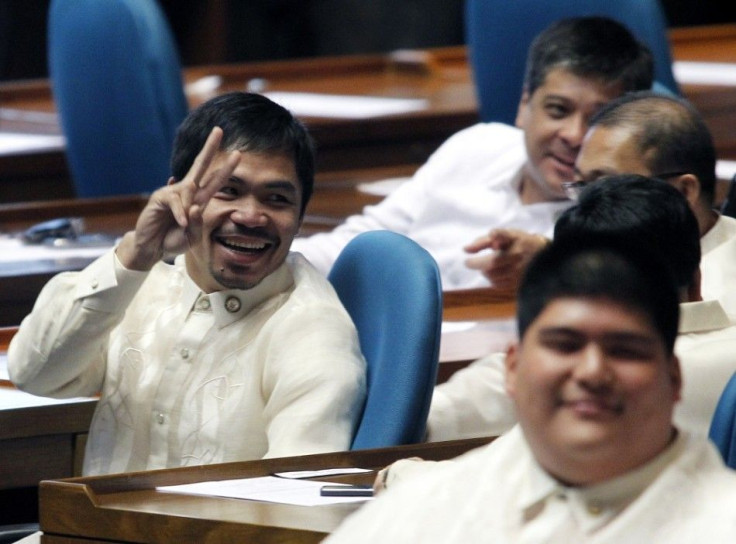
(522, 110)
(689, 186)
(511, 363)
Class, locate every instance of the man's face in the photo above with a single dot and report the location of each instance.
(554, 120)
(608, 151)
(594, 389)
(248, 225)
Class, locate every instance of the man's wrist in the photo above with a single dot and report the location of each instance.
(132, 257)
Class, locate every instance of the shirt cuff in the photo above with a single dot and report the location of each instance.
(106, 285)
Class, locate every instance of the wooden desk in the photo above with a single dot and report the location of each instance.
(128, 508)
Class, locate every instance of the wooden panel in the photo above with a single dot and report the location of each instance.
(26, 461)
(712, 43)
(481, 303)
(68, 418)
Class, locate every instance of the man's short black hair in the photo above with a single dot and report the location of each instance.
(637, 210)
(591, 47)
(252, 123)
(601, 270)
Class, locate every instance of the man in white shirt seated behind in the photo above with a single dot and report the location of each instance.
(596, 457)
(493, 175)
(238, 349)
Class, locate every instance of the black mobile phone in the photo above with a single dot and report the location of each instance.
(346, 491)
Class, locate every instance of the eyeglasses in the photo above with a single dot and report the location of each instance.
(572, 189)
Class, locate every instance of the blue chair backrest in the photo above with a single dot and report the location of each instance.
(499, 33)
(391, 288)
(723, 425)
(117, 84)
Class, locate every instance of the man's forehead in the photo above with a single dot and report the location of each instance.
(577, 312)
(560, 74)
(611, 150)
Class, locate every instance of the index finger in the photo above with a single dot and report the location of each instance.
(497, 239)
(216, 179)
(204, 158)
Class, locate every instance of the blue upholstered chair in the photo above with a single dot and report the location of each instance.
(723, 425)
(499, 32)
(117, 84)
(391, 288)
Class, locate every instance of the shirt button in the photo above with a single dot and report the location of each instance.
(160, 418)
(184, 353)
(93, 284)
(594, 509)
(204, 304)
(232, 304)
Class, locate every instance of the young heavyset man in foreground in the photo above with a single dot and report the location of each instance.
(596, 457)
(493, 175)
(236, 351)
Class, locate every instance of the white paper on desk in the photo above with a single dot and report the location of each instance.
(704, 73)
(12, 250)
(11, 142)
(265, 488)
(321, 473)
(471, 340)
(345, 106)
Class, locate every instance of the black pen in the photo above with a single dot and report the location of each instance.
(346, 491)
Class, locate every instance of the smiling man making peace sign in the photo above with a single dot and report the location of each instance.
(237, 349)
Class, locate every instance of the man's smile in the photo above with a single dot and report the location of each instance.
(593, 406)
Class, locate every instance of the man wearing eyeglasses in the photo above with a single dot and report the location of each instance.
(665, 137)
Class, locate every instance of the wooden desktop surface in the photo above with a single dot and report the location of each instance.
(128, 508)
(442, 76)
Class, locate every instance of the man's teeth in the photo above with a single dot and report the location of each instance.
(246, 245)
